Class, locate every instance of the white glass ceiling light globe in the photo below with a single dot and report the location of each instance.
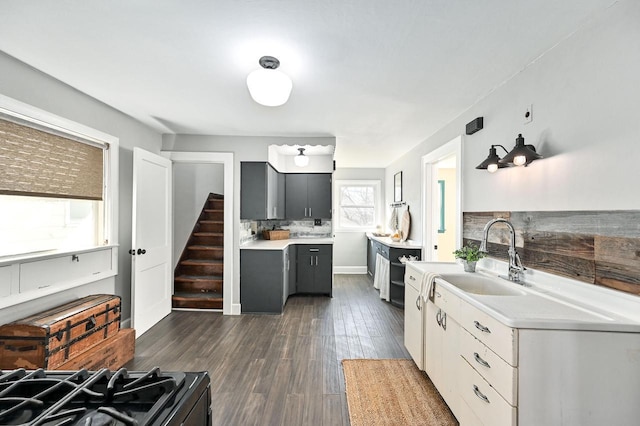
(301, 160)
(268, 86)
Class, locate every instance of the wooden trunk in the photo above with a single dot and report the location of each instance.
(50, 338)
(112, 353)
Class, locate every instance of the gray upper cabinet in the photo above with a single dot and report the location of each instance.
(308, 195)
(262, 191)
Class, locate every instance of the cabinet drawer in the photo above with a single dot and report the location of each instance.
(487, 405)
(498, 337)
(446, 300)
(316, 250)
(502, 376)
(384, 251)
(69, 268)
(413, 277)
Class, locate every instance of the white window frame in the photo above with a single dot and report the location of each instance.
(10, 266)
(377, 184)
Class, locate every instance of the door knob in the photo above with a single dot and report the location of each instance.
(141, 251)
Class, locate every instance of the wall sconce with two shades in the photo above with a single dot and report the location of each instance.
(520, 155)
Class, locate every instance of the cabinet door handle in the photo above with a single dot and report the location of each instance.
(411, 277)
(439, 317)
(444, 322)
(418, 303)
(480, 394)
(481, 361)
(481, 327)
(310, 214)
(310, 260)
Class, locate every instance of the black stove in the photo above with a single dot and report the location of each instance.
(101, 398)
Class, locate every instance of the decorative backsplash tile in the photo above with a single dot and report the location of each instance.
(297, 228)
(597, 247)
(248, 231)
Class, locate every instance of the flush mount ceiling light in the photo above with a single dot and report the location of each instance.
(301, 160)
(492, 163)
(268, 86)
(521, 154)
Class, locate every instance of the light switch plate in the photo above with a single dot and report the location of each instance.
(528, 114)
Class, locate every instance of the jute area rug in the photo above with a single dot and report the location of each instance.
(392, 392)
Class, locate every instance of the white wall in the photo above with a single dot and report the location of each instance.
(350, 248)
(585, 95)
(192, 184)
(28, 85)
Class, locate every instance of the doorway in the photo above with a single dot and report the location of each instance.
(442, 201)
(231, 289)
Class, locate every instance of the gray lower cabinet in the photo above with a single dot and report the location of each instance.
(315, 269)
(262, 191)
(308, 195)
(264, 280)
(396, 268)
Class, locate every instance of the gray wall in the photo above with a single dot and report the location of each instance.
(192, 183)
(584, 94)
(350, 248)
(28, 85)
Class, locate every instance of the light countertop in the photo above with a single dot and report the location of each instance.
(387, 241)
(539, 306)
(282, 244)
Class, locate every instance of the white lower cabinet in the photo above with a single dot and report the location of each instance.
(442, 353)
(493, 375)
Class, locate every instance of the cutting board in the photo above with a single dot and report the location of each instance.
(405, 225)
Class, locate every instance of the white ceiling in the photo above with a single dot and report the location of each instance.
(381, 76)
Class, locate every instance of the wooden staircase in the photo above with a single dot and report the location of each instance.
(198, 276)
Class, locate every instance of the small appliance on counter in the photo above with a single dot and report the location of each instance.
(119, 398)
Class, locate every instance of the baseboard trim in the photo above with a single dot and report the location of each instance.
(349, 270)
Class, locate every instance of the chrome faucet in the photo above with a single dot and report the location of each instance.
(515, 265)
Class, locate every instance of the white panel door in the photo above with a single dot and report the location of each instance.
(151, 275)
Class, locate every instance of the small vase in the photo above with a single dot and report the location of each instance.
(469, 266)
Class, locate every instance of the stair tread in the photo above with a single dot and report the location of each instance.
(208, 234)
(203, 247)
(211, 221)
(198, 277)
(201, 262)
(214, 210)
(199, 295)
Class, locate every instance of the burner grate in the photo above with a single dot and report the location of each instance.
(87, 398)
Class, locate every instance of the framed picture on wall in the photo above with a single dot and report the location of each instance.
(397, 187)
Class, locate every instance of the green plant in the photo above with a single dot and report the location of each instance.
(470, 253)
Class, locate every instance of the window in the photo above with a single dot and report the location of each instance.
(55, 181)
(358, 204)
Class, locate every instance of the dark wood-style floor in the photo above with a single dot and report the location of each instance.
(279, 369)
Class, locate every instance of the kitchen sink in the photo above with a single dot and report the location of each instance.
(481, 285)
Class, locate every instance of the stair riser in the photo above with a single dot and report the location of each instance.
(200, 269)
(205, 254)
(216, 204)
(216, 240)
(197, 304)
(211, 227)
(213, 215)
(198, 286)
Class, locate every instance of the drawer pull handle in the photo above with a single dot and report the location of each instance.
(480, 394)
(481, 327)
(481, 361)
(412, 278)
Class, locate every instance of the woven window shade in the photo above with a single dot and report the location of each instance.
(37, 163)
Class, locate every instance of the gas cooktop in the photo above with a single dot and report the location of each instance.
(96, 398)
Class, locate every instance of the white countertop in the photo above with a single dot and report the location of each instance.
(541, 307)
(387, 241)
(282, 244)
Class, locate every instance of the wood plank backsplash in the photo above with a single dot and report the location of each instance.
(598, 247)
